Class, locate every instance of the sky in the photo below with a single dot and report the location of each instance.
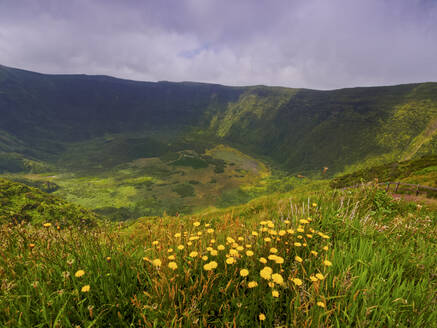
(319, 44)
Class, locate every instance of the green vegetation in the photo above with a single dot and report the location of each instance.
(20, 203)
(393, 172)
(349, 259)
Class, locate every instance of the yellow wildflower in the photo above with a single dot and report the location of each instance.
(314, 205)
(273, 250)
(196, 224)
(240, 248)
(252, 284)
(248, 246)
(212, 241)
(171, 257)
(172, 265)
(177, 235)
(321, 304)
(244, 272)
(303, 221)
(233, 252)
(193, 254)
(213, 252)
(325, 248)
(210, 230)
(297, 244)
(156, 262)
(190, 243)
(263, 260)
(282, 233)
(230, 240)
(230, 260)
(254, 233)
(85, 289)
(79, 273)
(155, 242)
(204, 258)
(170, 250)
(320, 276)
(313, 279)
(220, 247)
(181, 247)
(277, 279)
(297, 281)
(279, 260)
(275, 293)
(266, 273)
(287, 221)
(327, 263)
(267, 239)
(314, 253)
(210, 266)
(249, 253)
(298, 259)
(240, 238)
(262, 317)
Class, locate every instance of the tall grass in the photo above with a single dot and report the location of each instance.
(340, 259)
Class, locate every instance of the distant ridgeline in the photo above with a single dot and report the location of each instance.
(298, 129)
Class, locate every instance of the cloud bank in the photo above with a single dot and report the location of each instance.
(313, 43)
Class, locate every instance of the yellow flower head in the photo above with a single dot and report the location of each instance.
(240, 238)
(327, 263)
(210, 266)
(244, 272)
(210, 230)
(287, 221)
(314, 205)
(273, 250)
(277, 279)
(156, 262)
(212, 241)
(248, 246)
(263, 260)
(297, 281)
(155, 242)
(314, 253)
(254, 233)
(266, 273)
(240, 248)
(321, 304)
(193, 254)
(170, 250)
(272, 257)
(279, 260)
(196, 224)
(171, 257)
(325, 248)
(79, 273)
(233, 252)
(31, 245)
(262, 317)
(193, 238)
(190, 243)
(220, 247)
(298, 259)
(181, 247)
(297, 244)
(303, 221)
(177, 235)
(230, 240)
(213, 252)
(172, 265)
(282, 233)
(47, 225)
(267, 239)
(275, 293)
(313, 279)
(249, 253)
(85, 289)
(204, 258)
(230, 260)
(320, 276)
(252, 284)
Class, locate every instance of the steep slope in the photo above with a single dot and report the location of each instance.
(298, 129)
(19, 202)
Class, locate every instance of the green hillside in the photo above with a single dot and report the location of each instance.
(298, 129)
(20, 203)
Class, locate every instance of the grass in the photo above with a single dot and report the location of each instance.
(381, 270)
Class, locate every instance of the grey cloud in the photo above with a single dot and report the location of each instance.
(314, 43)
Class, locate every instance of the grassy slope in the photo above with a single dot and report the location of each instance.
(19, 202)
(382, 274)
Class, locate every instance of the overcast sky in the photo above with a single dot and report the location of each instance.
(321, 44)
